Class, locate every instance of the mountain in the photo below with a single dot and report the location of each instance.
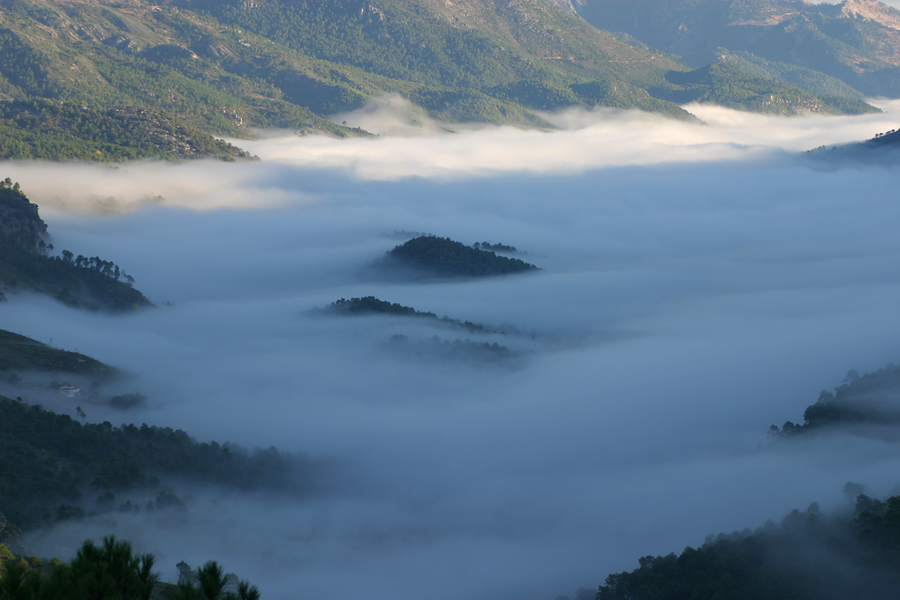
(112, 80)
(856, 41)
(226, 65)
(741, 83)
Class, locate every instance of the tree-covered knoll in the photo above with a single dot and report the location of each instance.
(112, 571)
(861, 400)
(370, 305)
(443, 257)
(25, 262)
(20, 353)
(887, 139)
(881, 149)
(808, 556)
(54, 467)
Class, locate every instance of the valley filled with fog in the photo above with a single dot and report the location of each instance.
(699, 282)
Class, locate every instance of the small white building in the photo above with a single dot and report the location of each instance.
(69, 391)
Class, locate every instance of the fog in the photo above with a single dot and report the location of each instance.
(699, 283)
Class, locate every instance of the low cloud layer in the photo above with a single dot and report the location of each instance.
(699, 283)
(294, 170)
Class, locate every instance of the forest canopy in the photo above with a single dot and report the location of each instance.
(443, 257)
(26, 262)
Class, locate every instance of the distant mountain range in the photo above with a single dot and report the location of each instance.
(81, 78)
(856, 41)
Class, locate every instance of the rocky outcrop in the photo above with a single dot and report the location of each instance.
(871, 10)
(20, 224)
(567, 5)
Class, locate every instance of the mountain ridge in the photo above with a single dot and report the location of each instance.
(204, 68)
(857, 41)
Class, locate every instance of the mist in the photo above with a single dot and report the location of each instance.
(699, 283)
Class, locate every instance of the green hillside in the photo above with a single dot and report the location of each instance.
(433, 256)
(20, 353)
(808, 555)
(83, 79)
(26, 262)
(748, 86)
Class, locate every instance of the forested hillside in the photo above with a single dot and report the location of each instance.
(20, 353)
(56, 468)
(855, 41)
(442, 257)
(158, 78)
(862, 403)
(808, 555)
(27, 262)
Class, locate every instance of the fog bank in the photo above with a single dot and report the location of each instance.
(698, 283)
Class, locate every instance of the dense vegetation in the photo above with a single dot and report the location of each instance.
(808, 556)
(112, 571)
(158, 78)
(55, 130)
(498, 247)
(20, 353)
(56, 468)
(854, 41)
(150, 75)
(736, 85)
(443, 257)
(370, 305)
(25, 262)
(888, 138)
(872, 399)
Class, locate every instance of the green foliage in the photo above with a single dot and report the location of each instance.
(50, 459)
(111, 571)
(870, 399)
(370, 305)
(20, 353)
(221, 66)
(887, 139)
(729, 83)
(45, 129)
(21, 65)
(391, 40)
(807, 556)
(146, 78)
(90, 282)
(444, 257)
(541, 95)
(796, 39)
(210, 582)
(498, 247)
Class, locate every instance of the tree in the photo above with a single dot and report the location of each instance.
(112, 571)
(212, 580)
